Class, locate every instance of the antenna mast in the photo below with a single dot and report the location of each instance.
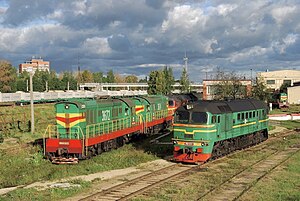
(185, 59)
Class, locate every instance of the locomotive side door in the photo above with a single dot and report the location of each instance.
(228, 125)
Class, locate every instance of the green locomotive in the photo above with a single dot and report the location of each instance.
(88, 127)
(210, 129)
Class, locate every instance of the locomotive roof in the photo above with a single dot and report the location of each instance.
(217, 107)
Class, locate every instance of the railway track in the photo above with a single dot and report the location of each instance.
(150, 182)
(239, 183)
(243, 181)
(138, 185)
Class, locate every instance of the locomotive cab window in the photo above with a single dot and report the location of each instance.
(213, 119)
(171, 103)
(199, 117)
(182, 117)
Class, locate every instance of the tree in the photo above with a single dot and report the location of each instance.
(228, 85)
(39, 80)
(160, 83)
(284, 86)
(152, 82)
(87, 77)
(131, 79)
(260, 91)
(8, 76)
(23, 81)
(169, 80)
(68, 77)
(118, 78)
(184, 82)
(110, 78)
(53, 82)
(98, 77)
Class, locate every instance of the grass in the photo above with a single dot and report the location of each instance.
(25, 166)
(291, 109)
(290, 124)
(44, 115)
(48, 194)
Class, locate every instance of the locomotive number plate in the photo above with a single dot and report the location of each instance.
(63, 143)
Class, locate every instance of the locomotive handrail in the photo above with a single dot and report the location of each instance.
(108, 126)
(52, 130)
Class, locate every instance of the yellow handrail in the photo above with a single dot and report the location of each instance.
(53, 131)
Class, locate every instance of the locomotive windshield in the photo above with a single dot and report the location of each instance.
(199, 117)
(182, 117)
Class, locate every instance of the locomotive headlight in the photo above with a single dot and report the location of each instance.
(202, 144)
(174, 142)
(67, 106)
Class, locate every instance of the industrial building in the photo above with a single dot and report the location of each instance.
(274, 79)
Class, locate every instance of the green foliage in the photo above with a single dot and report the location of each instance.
(152, 82)
(131, 79)
(229, 85)
(8, 77)
(98, 77)
(283, 87)
(54, 82)
(185, 82)
(87, 77)
(169, 80)
(110, 78)
(68, 77)
(40, 78)
(161, 81)
(22, 81)
(260, 91)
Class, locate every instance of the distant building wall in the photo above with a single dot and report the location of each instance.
(34, 64)
(208, 87)
(274, 79)
(293, 95)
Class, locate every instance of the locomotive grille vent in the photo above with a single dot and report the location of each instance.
(188, 136)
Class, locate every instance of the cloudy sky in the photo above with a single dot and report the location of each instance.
(137, 36)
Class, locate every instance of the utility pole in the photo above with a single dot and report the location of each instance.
(31, 101)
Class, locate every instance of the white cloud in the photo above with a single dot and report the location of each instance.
(184, 17)
(80, 7)
(98, 45)
(281, 45)
(248, 54)
(282, 14)
(225, 9)
(150, 40)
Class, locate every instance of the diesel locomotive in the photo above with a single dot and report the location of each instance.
(207, 130)
(86, 127)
